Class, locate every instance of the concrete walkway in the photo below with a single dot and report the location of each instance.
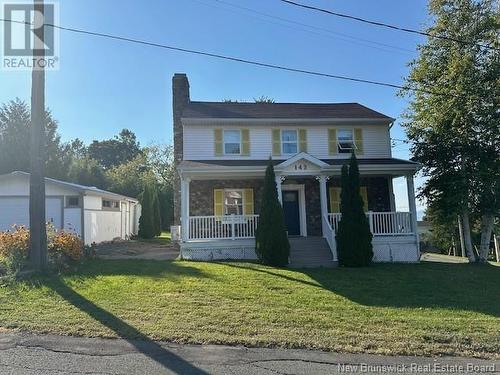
(42, 355)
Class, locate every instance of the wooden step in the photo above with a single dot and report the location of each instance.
(310, 252)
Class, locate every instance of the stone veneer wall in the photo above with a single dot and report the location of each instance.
(377, 190)
(202, 196)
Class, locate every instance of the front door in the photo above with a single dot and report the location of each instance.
(291, 212)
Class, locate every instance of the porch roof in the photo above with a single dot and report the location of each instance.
(245, 167)
(256, 163)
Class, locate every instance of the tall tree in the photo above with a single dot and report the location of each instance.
(354, 238)
(87, 171)
(453, 118)
(146, 221)
(156, 212)
(271, 241)
(116, 151)
(15, 129)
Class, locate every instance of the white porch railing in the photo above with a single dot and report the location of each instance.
(329, 235)
(222, 227)
(382, 223)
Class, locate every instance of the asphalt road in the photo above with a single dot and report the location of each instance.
(43, 355)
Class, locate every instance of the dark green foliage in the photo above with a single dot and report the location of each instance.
(87, 171)
(354, 238)
(114, 152)
(156, 213)
(147, 228)
(271, 241)
(15, 128)
(166, 195)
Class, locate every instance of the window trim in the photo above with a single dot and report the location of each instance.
(242, 192)
(288, 142)
(224, 142)
(68, 197)
(346, 150)
(113, 203)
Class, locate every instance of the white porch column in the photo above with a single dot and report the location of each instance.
(410, 186)
(185, 208)
(322, 195)
(323, 202)
(392, 198)
(279, 180)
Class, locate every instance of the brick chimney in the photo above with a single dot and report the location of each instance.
(180, 99)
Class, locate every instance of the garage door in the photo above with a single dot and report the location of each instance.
(15, 210)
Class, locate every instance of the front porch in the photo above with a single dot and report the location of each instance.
(220, 211)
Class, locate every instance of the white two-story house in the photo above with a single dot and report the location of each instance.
(223, 148)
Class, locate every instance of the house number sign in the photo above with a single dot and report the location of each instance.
(300, 167)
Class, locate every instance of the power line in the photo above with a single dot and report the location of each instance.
(235, 59)
(305, 27)
(386, 25)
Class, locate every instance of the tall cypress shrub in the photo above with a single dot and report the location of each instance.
(354, 238)
(146, 221)
(271, 241)
(156, 212)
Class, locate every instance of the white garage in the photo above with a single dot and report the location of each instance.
(103, 215)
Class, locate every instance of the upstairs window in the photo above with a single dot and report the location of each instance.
(289, 141)
(345, 139)
(232, 142)
(233, 202)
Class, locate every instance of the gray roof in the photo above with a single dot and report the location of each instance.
(76, 187)
(232, 110)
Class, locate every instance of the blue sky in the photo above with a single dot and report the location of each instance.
(103, 86)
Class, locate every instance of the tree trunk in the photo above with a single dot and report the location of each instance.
(461, 233)
(487, 222)
(497, 247)
(467, 238)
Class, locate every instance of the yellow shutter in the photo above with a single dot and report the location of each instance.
(276, 142)
(302, 140)
(332, 142)
(334, 199)
(245, 142)
(248, 202)
(364, 194)
(218, 142)
(358, 140)
(218, 202)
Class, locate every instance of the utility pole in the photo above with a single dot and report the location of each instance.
(38, 234)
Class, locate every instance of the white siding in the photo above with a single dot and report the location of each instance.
(102, 226)
(91, 202)
(73, 220)
(15, 211)
(19, 186)
(199, 141)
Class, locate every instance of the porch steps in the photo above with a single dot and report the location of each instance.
(310, 252)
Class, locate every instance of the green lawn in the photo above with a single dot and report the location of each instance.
(428, 308)
(163, 239)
